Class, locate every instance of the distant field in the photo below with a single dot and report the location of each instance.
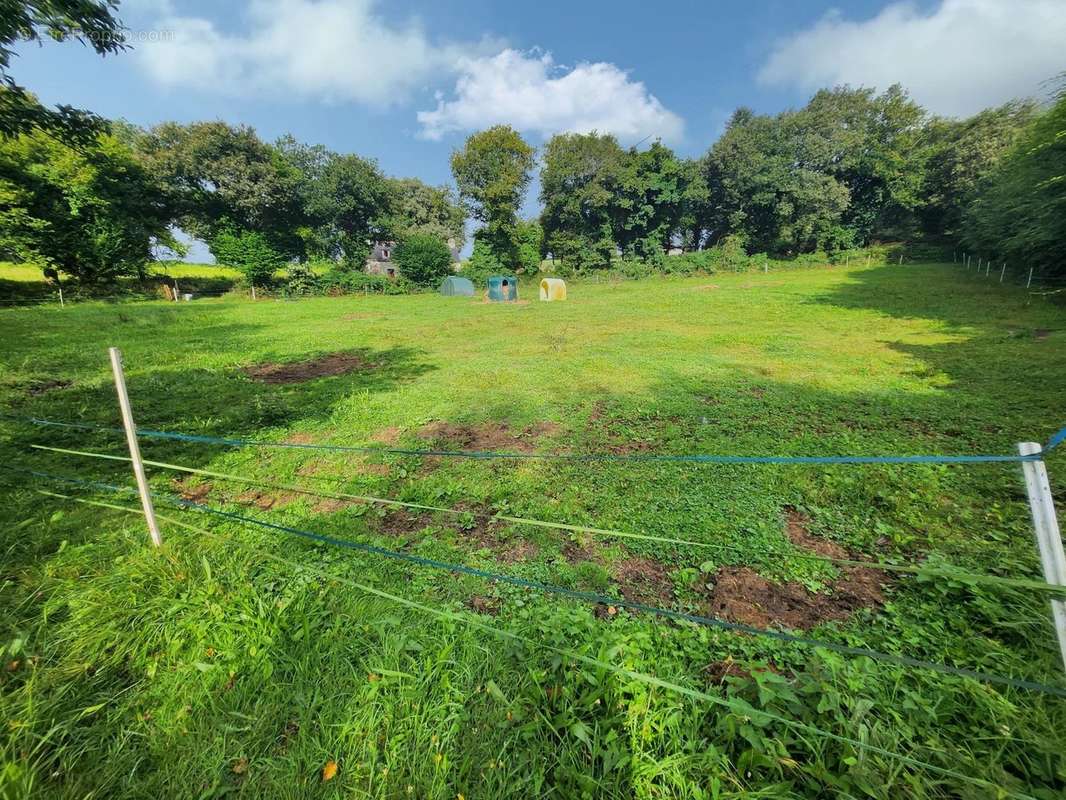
(25, 281)
(212, 669)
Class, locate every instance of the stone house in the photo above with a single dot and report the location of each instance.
(380, 262)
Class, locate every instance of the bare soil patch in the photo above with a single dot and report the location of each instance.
(321, 367)
(483, 533)
(484, 605)
(576, 552)
(265, 500)
(796, 529)
(643, 580)
(193, 491)
(742, 595)
(300, 437)
(487, 435)
(400, 522)
(37, 388)
(1041, 333)
(390, 435)
(331, 505)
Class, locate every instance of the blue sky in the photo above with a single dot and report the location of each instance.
(404, 82)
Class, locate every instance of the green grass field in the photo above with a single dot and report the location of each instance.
(25, 282)
(241, 661)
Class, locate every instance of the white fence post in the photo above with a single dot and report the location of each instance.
(1003, 272)
(1029, 282)
(135, 448)
(1048, 538)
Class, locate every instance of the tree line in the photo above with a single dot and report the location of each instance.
(94, 200)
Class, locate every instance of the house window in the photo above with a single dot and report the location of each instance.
(385, 254)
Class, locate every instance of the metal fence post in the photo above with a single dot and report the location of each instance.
(1048, 538)
(1003, 272)
(135, 448)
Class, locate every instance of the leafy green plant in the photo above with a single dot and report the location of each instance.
(423, 259)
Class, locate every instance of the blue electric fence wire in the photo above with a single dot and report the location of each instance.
(1055, 441)
(589, 597)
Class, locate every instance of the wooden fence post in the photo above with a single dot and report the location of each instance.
(134, 446)
(1048, 537)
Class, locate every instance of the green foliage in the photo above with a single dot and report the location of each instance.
(221, 178)
(762, 194)
(423, 259)
(347, 206)
(1020, 212)
(90, 212)
(647, 204)
(415, 207)
(349, 281)
(90, 23)
(250, 252)
(963, 154)
(492, 172)
(483, 262)
(301, 280)
(579, 181)
(530, 237)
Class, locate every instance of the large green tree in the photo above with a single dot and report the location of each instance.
(492, 172)
(91, 212)
(872, 144)
(962, 155)
(578, 186)
(349, 205)
(646, 208)
(90, 22)
(1018, 213)
(416, 207)
(222, 178)
(762, 192)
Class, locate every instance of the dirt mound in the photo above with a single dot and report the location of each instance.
(321, 367)
(482, 531)
(484, 605)
(331, 505)
(643, 580)
(399, 522)
(487, 435)
(265, 500)
(796, 529)
(37, 388)
(192, 490)
(576, 552)
(742, 595)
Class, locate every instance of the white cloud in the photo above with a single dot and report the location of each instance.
(529, 92)
(957, 59)
(329, 49)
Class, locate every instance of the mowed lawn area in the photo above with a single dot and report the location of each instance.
(243, 661)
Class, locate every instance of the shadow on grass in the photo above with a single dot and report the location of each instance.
(1007, 368)
(224, 403)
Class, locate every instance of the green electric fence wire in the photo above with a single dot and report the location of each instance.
(740, 708)
(944, 572)
(1055, 440)
(589, 597)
